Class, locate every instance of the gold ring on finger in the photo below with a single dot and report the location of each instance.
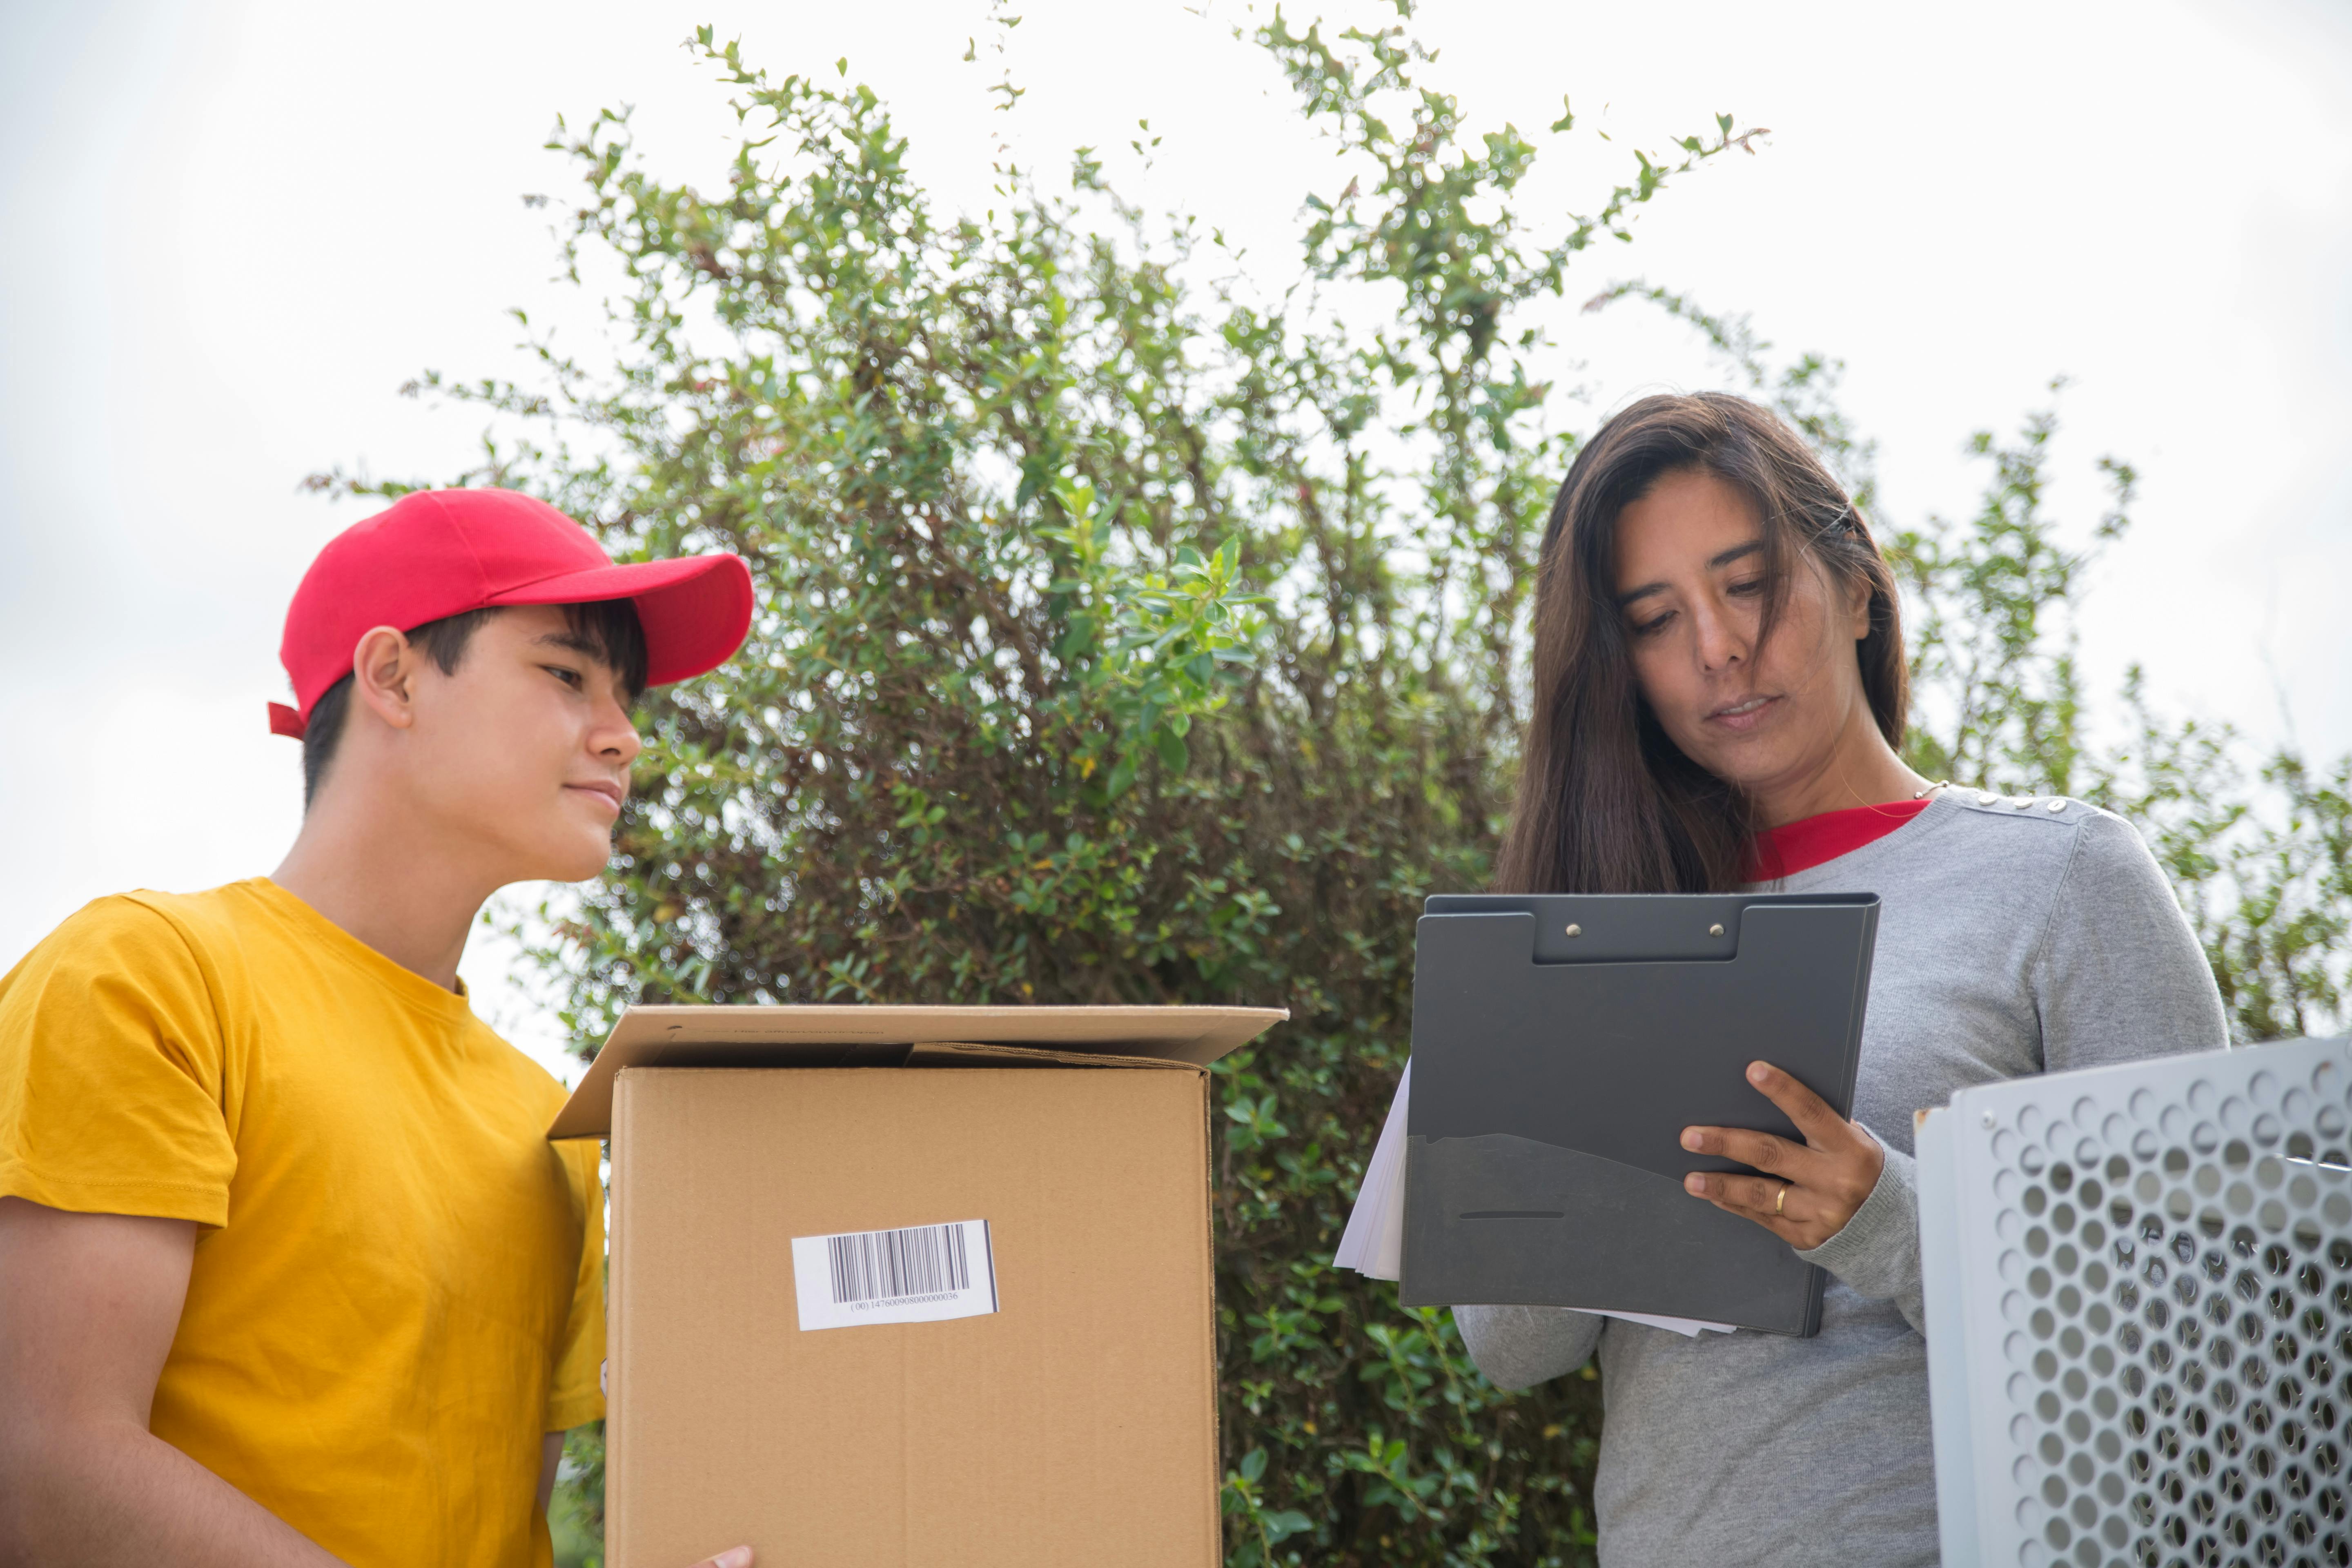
(1781, 1201)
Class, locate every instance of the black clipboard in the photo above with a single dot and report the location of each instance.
(1560, 1043)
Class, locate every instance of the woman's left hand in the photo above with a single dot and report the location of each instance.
(1808, 1190)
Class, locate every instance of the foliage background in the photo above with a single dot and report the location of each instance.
(1125, 635)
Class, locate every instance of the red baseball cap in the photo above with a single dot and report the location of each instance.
(435, 554)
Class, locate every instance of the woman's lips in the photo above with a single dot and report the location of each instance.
(1744, 715)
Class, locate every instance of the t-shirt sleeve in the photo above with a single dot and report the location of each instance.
(111, 1072)
(2121, 976)
(576, 1398)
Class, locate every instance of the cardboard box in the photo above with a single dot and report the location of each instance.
(1029, 1184)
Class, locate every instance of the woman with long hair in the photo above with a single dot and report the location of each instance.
(1719, 698)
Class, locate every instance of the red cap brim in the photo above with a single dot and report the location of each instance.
(696, 611)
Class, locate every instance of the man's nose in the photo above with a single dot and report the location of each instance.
(616, 737)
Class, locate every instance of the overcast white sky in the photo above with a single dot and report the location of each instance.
(233, 230)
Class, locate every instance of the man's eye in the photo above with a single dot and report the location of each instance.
(569, 676)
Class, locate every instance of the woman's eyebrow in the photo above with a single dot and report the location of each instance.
(1715, 563)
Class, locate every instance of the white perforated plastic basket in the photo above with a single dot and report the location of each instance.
(2139, 1311)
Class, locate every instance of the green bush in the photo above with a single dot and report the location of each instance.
(1120, 639)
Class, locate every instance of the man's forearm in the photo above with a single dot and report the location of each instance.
(108, 1493)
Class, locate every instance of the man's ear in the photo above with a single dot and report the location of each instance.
(383, 675)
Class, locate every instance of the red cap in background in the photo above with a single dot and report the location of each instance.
(437, 553)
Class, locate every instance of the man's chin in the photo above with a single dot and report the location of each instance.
(581, 862)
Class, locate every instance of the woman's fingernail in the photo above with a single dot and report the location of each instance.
(735, 1557)
(1690, 1138)
(1696, 1185)
(1757, 1072)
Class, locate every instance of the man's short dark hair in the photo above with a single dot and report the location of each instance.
(610, 625)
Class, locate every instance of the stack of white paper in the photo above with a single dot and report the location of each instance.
(1373, 1243)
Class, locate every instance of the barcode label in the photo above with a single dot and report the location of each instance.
(917, 1273)
(873, 1264)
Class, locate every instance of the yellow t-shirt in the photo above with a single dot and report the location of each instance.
(398, 1281)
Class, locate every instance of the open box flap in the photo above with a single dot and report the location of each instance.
(852, 1035)
(975, 1053)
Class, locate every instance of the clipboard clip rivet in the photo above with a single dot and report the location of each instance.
(1715, 930)
(1987, 1118)
(1576, 931)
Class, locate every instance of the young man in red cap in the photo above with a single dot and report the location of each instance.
(289, 1273)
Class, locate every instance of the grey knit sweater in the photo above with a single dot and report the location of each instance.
(2016, 937)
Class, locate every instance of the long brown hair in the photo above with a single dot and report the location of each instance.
(1607, 802)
